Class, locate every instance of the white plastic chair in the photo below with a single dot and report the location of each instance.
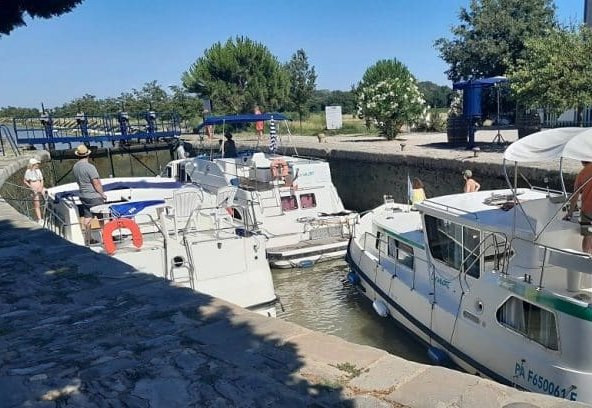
(183, 204)
(225, 200)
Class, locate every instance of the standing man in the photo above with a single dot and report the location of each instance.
(259, 125)
(583, 187)
(89, 184)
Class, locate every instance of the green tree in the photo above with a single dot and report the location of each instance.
(491, 35)
(12, 11)
(436, 96)
(302, 83)
(388, 97)
(238, 75)
(556, 71)
(17, 112)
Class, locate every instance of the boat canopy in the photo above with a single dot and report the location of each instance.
(246, 118)
(479, 83)
(571, 142)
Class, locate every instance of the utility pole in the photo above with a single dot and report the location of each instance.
(588, 12)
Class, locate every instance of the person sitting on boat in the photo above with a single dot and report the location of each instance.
(583, 187)
(471, 184)
(417, 192)
(89, 184)
(34, 180)
(229, 148)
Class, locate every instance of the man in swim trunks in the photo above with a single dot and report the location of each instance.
(583, 188)
(89, 184)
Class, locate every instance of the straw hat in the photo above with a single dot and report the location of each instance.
(33, 161)
(467, 173)
(82, 151)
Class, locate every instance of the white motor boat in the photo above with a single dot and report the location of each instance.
(289, 199)
(495, 281)
(178, 232)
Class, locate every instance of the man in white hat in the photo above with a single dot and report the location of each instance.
(34, 180)
(89, 184)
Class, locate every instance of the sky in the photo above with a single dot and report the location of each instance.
(106, 47)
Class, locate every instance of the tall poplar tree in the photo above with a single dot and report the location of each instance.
(302, 82)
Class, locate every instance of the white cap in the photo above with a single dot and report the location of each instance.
(33, 161)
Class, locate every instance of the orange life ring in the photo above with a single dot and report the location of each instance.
(279, 168)
(118, 223)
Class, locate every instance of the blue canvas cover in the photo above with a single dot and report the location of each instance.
(132, 208)
(246, 118)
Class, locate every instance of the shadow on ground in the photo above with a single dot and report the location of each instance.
(82, 329)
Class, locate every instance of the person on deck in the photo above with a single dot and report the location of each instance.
(583, 188)
(34, 180)
(259, 125)
(471, 184)
(417, 192)
(229, 148)
(89, 184)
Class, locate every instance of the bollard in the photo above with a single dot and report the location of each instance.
(476, 151)
(403, 146)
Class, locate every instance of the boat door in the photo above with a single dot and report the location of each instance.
(455, 266)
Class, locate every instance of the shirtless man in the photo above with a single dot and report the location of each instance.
(471, 184)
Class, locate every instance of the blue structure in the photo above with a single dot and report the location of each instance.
(246, 118)
(48, 130)
(472, 90)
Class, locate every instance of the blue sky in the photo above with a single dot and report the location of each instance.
(105, 47)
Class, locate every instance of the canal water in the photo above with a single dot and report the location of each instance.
(317, 297)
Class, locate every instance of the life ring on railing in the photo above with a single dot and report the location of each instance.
(118, 223)
(279, 168)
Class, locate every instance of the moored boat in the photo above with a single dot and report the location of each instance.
(288, 198)
(496, 281)
(178, 232)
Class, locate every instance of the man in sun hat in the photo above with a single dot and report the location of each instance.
(471, 184)
(89, 184)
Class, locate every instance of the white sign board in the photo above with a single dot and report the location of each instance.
(333, 117)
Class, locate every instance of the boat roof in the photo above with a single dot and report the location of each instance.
(570, 142)
(245, 118)
(403, 225)
(482, 209)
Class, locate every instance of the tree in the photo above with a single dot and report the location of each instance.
(302, 82)
(491, 36)
(388, 97)
(238, 75)
(556, 71)
(437, 96)
(13, 11)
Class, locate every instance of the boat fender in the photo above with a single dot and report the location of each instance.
(306, 263)
(119, 223)
(438, 356)
(380, 308)
(353, 278)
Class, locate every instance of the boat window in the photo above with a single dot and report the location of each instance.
(453, 244)
(235, 213)
(529, 320)
(289, 203)
(403, 253)
(308, 200)
(377, 243)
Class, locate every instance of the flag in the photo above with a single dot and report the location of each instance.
(409, 189)
(272, 136)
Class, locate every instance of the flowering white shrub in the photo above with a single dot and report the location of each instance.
(390, 103)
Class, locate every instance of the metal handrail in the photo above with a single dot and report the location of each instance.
(6, 134)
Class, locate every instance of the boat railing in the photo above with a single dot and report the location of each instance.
(6, 135)
(447, 207)
(575, 263)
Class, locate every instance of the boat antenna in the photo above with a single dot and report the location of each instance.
(42, 108)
